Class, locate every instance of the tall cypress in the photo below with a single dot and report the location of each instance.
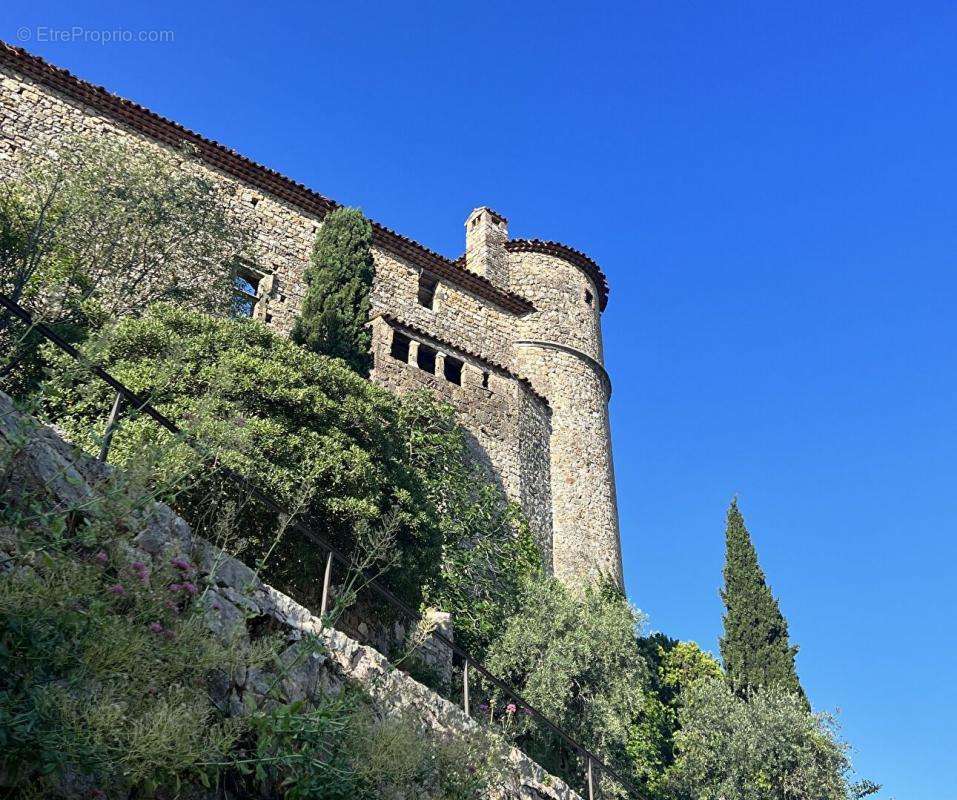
(755, 647)
(335, 309)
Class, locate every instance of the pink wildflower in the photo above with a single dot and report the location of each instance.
(510, 708)
(116, 589)
(156, 627)
(175, 587)
(102, 557)
(189, 587)
(180, 563)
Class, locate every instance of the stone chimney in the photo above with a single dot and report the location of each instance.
(486, 232)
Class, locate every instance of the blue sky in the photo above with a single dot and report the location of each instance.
(770, 189)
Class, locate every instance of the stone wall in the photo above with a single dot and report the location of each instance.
(556, 462)
(316, 659)
(559, 349)
(509, 425)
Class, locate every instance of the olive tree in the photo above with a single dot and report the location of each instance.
(768, 747)
(99, 228)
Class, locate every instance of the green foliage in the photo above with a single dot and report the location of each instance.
(755, 647)
(100, 228)
(576, 659)
(333, 447)
(769, 747)
(103, 668)
(335, 310)
(683, 666)
(488, 551)
(109, 679)
(317, 437)
(673, 666)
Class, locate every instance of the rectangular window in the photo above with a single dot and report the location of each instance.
(588, 297)
(485, 380)
(427, 286)
(400, 347)
(453, 370)
(245, 290)
(426, 358)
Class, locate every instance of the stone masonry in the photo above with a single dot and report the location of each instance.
(317, 659)
(509, 333)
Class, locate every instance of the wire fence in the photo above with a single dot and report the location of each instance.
(473, 685)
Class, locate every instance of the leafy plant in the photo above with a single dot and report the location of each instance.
(576, 659)
(769, 747)
(340, 451)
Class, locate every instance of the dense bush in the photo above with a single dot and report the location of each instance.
(340, 451)
(769, 747)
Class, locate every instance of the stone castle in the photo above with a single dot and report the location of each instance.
(509, 333)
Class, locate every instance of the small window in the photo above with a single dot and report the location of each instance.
(453, 370)
(426, 358)
(485, 380)
(245, 291)
(400, 346)
(427, 286)
(589, 298)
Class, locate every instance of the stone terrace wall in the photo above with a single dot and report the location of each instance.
(47, 466)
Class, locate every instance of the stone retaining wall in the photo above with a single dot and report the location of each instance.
(317, 659)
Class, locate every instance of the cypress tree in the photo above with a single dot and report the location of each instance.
(339, 280)
(755, 647)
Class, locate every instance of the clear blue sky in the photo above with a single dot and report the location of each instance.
(771, 192)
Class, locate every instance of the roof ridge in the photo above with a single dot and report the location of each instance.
(225, 159)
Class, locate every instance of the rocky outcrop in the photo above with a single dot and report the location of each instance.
(236, 603)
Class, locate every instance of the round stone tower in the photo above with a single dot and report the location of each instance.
(558, 348)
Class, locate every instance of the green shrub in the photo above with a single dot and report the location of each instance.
(576, 659)
(322, 441)
(109, 678)
(103, 667)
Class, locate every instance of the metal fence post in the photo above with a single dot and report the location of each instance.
(465, 687)
(325, 586)
(111, 426)
(591, 785)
